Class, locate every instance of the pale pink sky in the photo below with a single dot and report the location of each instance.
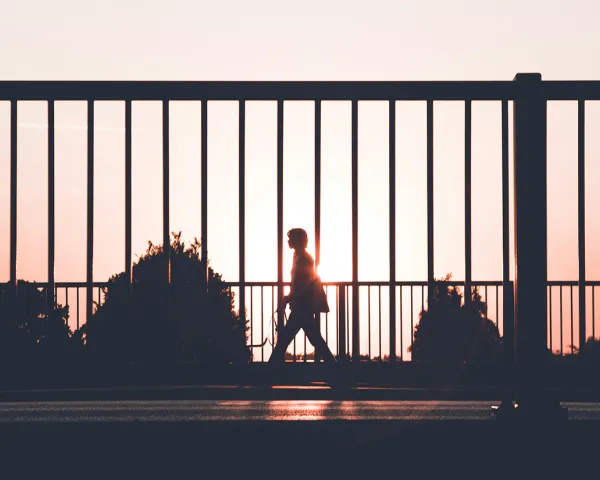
(269, 40)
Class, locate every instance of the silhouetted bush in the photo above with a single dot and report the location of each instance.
(153, 326)
(451, 332)
(30, 329)
(590, 350)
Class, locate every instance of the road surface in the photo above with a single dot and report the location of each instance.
(314, 438)
(261, 411)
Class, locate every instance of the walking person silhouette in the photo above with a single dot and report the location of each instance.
(306, 299)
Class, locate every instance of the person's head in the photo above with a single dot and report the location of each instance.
(297, 239)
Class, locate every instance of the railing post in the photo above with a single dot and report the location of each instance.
(508, 329)
(530, 230)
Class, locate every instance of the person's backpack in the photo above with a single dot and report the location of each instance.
(319, 299)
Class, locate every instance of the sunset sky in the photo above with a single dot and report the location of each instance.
(269, 40)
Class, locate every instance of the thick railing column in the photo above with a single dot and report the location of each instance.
(530, 217)
(508, 305)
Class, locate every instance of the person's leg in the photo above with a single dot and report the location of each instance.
(284, 337)
(313, 334)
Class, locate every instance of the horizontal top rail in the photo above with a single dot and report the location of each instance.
(254, 90)
(288, 90)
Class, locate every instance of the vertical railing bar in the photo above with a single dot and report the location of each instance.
(90, 210)
(166, 208)
(581, 218)
(280, 212)
(166, 198)
(337, 324)
(401, 325)
(392, 221)
(272, 315)
(51, 197)
(430, 204)
(251, 322)
(508, 306)
(13, 193)
(204, 196)
(262, 322)
(369, 318)
(347, 321)
(77, 304)
(485, 292)
(468, 142)
(550, 315)
(326, 317)
(561, 319)
(380, 350)
(497, 307)
(67, 301)
(412, 315)
(305, 359)
(294, 342)
(572, 321)
(355, 289)
(593, 312)
(317, 209)
(317, 183)
(128, 181)
(242, 209)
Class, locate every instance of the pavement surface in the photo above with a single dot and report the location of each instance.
(278, 438)
(261, 411)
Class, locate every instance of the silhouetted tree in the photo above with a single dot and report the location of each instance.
(452, 332)
(30, 329)
(147, 326)
(590, 350)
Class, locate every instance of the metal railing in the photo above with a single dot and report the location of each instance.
(529, 94)
(336, 326)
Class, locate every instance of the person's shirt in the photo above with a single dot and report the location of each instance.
(303, 276)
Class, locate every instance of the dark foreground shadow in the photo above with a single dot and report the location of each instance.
(223, 449)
